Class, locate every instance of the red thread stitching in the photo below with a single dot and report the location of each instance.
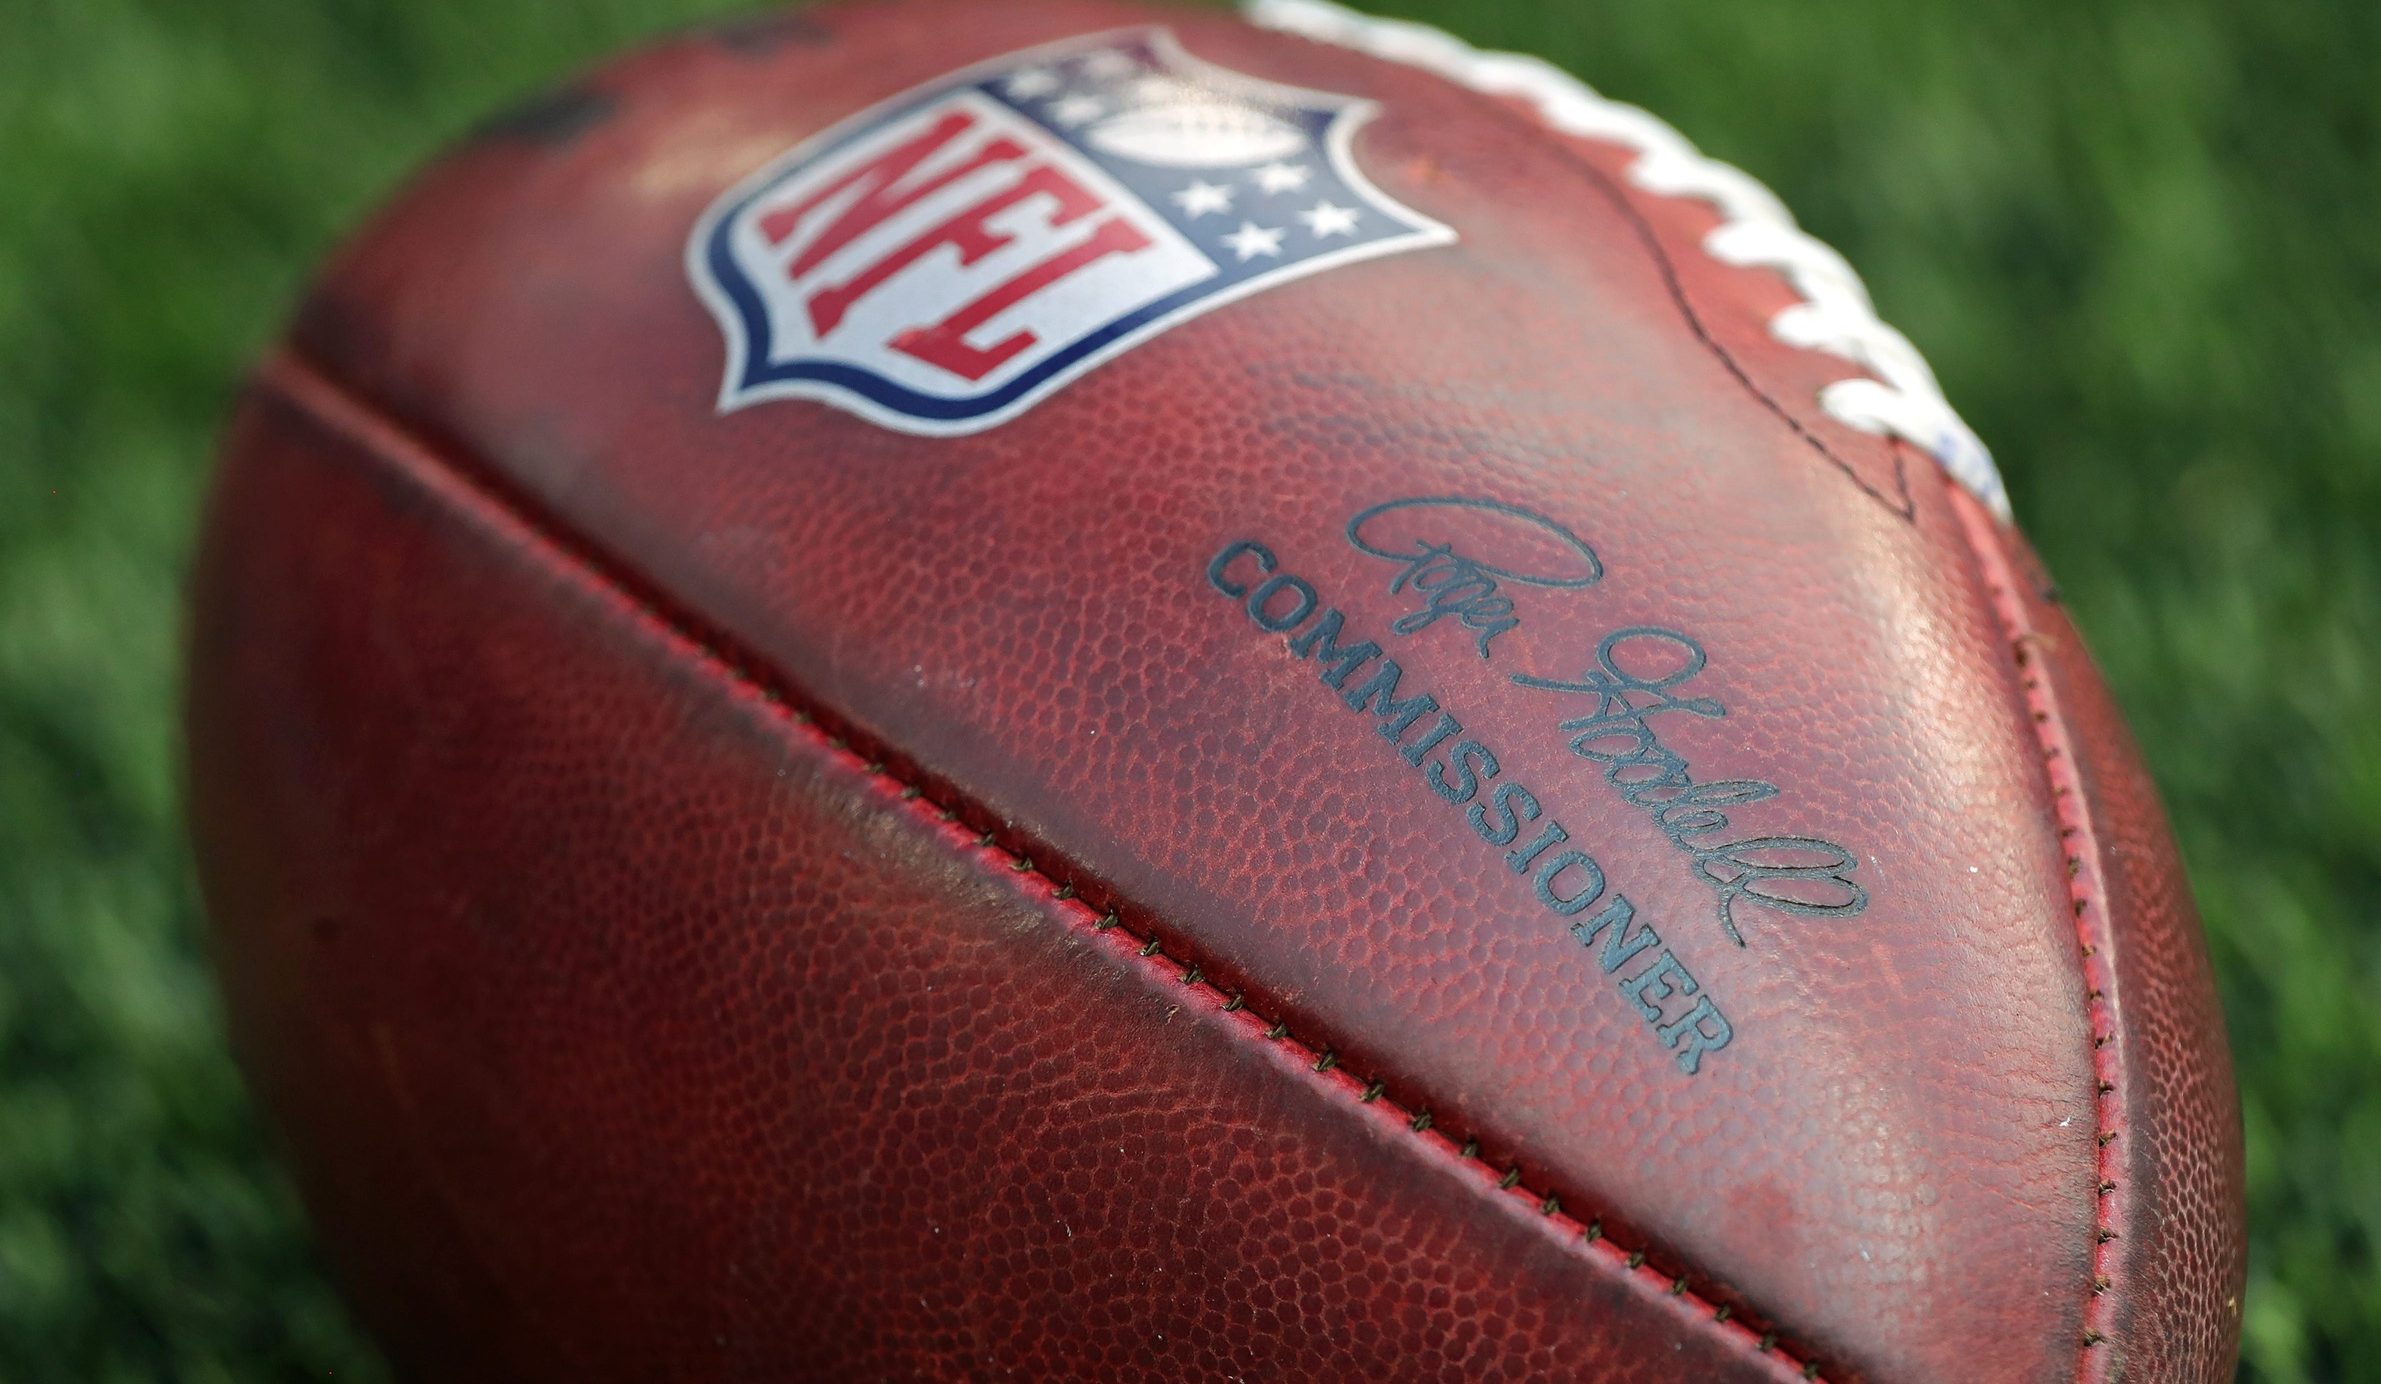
(2081, 847)
(945, 814)
(2077, 840)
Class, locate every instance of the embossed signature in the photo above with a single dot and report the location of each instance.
(1420, 534)
(1792, 874)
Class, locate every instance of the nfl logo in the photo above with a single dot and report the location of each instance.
(942, 262)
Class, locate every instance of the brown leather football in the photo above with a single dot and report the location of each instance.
(1058, 691)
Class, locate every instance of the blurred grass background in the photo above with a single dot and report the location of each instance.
(2137, 238)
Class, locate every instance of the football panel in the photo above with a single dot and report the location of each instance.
(627, 1026)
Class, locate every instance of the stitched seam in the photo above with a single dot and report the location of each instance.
(975, 833)
(2080, 846)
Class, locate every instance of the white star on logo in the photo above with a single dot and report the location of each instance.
(1032, 82)
(1252, 240)
(1109, 64)
(1202, 197)
(1282, 177)
(1325, 219)
(1075, 110)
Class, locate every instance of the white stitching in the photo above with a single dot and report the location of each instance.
(1835, 316)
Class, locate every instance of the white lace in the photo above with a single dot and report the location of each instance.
(1835, 316)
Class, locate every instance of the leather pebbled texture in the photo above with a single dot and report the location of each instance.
(761, 895)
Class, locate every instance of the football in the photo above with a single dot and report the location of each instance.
(1061, 691)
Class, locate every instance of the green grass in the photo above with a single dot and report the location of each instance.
(2137, 238)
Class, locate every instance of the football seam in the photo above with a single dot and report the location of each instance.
(972, 831)
(2079, 845)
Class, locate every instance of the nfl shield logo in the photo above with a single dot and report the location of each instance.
(944, 261)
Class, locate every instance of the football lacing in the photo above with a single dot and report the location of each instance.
(1902, 399)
